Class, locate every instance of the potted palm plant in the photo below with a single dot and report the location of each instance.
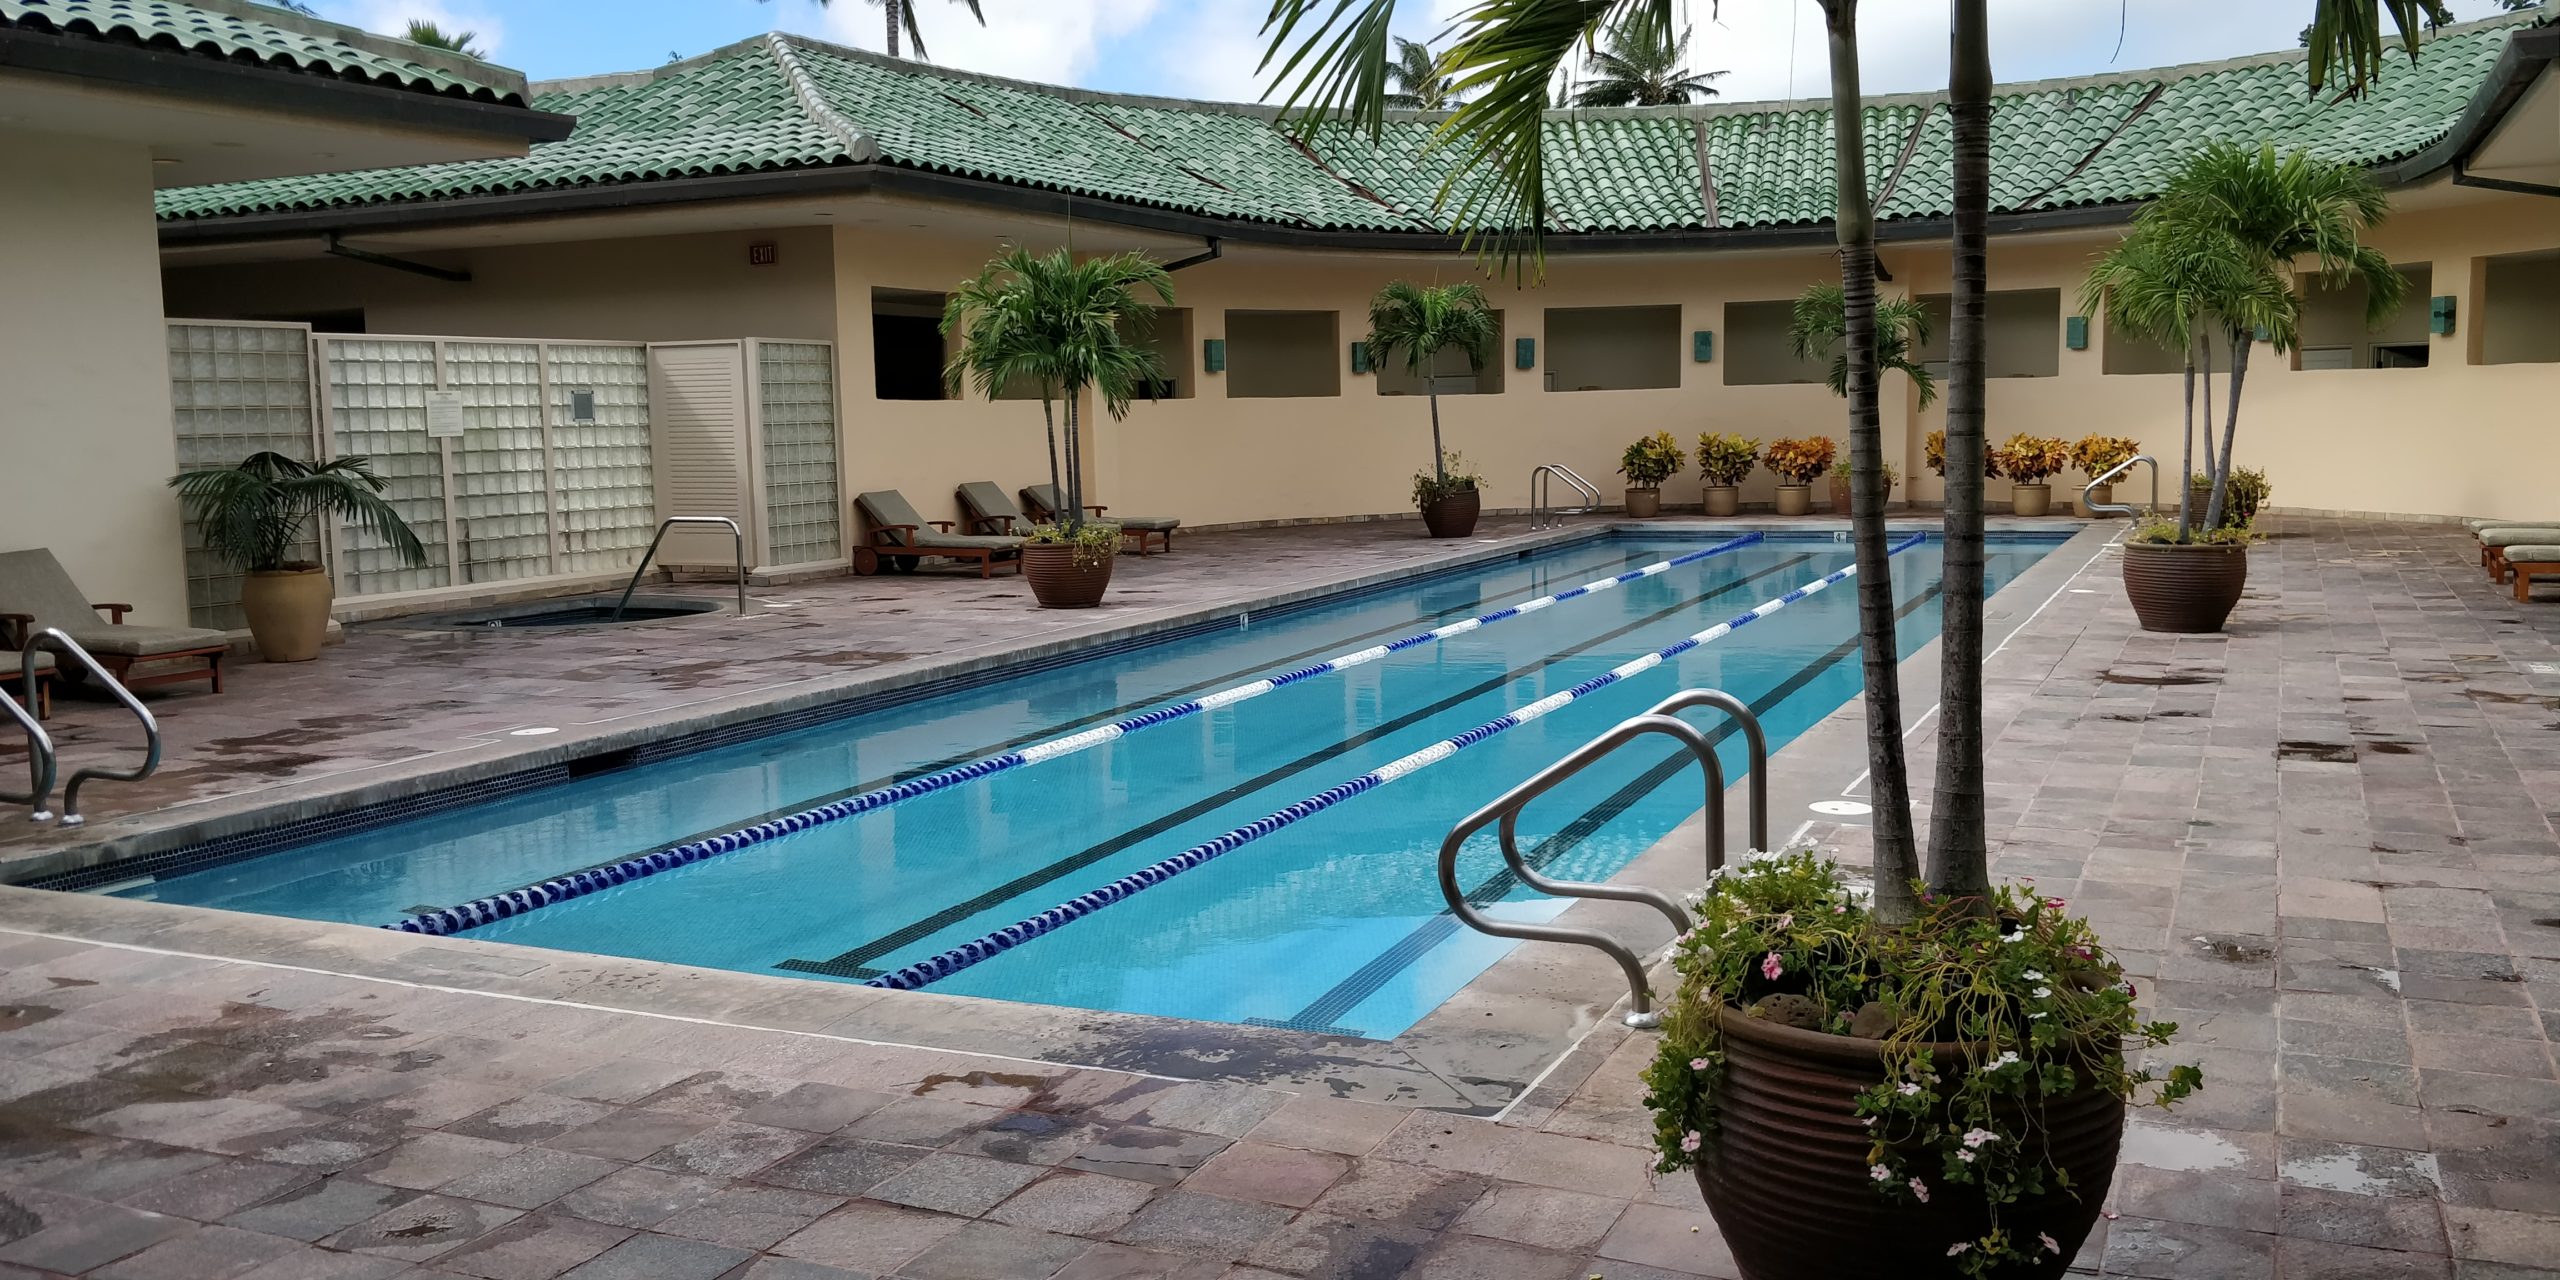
(1842, 473)
(253, 515)
(1417, 323)
(1798, 463)
(2030, 461)
(1646, 464)
(2213, 257)
(1065, 327)
(2096, 455)
(1725, 461)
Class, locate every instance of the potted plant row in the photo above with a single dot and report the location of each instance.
(1724, 462)
(1646, 464)
(2030, 462)
(1798, 463)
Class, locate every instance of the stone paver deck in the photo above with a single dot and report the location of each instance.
(2322, 841)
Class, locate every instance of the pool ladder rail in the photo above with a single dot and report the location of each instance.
(43, 758)
(1542, 487)
(2122, 508)
(737, 538)
(1662, 719)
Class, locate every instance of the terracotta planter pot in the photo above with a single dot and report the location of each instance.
(1058, 582)
(1795, 499)
(1786, 1176)
(1644, 504)
(288, 612)
(2184, 590)
(1453, 516)
(2031, 499)
(1840, 497)
(1723, 499)
(2099, 494)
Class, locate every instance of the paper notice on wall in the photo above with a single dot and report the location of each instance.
(444, 415)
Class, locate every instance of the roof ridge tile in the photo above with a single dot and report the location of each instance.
(859, 146)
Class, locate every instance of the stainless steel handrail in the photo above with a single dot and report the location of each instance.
(735, 535)
(2120, 508)
(66, 647)
(1756, 763)
(1541, 484)
(41, 761)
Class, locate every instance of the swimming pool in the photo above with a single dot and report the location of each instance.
(1332, 923)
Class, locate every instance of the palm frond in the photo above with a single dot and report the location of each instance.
(2346, 37)
(252, 514)
(1818, 328)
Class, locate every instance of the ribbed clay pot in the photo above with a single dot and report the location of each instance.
(1453, 516)
(2030, 499)
(1058, 582)
(1723, 499)
(1787, 1177)
(2184, 590)
(1840, 495)
(1644, 504)
(288, 611)
(1795, 499)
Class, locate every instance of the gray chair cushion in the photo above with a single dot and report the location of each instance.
(1044, 497)
(982, 498)
(144, 642)
(884, 507)
(2529, 553)
(1149, 524)
(34, 582)
(2510, 535)
(931, 538)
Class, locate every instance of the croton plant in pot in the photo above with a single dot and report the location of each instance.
(2095, 456)
(1798, 463)
(2030, 462)
(1724, 462)
(1646, 464)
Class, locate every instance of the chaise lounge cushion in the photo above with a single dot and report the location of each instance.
(2533, 553)
(985, 500)
(888, 507)
(2514, 535)
(34, 583)
(1045, 497)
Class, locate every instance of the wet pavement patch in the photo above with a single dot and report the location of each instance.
(2317, 752)
(2234, 950)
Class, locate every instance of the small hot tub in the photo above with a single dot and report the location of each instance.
(580, 611)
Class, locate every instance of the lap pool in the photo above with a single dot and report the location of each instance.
(1333, 923)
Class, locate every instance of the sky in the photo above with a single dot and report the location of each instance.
(1770, 49)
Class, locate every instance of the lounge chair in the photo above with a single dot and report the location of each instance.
(986, 512)
(2495, 539)
(35, 593)
(902, 538)
(38, 699)
(1044, 503)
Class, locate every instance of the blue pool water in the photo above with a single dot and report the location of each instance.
(1335, 922)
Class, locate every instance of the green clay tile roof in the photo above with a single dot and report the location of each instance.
(255, 34)
(785, 102)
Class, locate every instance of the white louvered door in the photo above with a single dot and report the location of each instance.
(698, 430)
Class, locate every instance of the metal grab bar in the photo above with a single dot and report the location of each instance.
(66, 647)
(1542, 484)
(2119, 508)
(1755, 764)
(735, 535)
(41, 761)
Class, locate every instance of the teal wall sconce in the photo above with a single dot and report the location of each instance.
(1702, 346)
(2075, 333)
(2440, 315)
(1360, 362)
(1213, 355)
(1524, 353)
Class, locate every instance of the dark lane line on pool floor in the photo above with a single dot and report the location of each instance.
(855, 963)
(1366, 981)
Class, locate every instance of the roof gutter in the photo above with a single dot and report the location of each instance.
(297, 92)
(2528, 51)
(862, 179)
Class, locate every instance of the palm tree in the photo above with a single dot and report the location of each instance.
(1421, 322)
(901, 16)
(1417, 79)
(432, 36)
(1815, 330)
(1959, 863)
(1641, 70)
(1067, 326)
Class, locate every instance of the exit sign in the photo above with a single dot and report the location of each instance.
(763, 253)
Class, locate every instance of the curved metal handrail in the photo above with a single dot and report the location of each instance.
(1504, 810)
(1541, 484)
(735, 534)
(66, 647)
(2120, 508)
(1755, 741)
(41, 761)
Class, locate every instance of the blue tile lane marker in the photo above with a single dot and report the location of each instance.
(578, 884)
(926, 972)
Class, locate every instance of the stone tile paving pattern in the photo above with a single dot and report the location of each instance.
(2321, 842)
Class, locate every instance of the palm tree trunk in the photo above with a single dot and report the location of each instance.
(1049, 421)
(1439, 460)
(1072, 519)
(2204, 344)
(2241, 341)
(2187, 454)
(1897, 859)
(896, 10)
(1959, 848)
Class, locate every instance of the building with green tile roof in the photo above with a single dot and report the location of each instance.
(801, 115)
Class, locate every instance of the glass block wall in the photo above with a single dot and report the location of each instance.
(377, 390)
(235, 390)
(502, 498)
(607, 496)
(795, 383)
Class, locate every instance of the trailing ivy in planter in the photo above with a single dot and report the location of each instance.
(1724, 462)
(1646, 464)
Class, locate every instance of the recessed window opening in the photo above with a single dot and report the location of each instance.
(2335, 334)
(1613, 348)
(1756, 351)
(906, 344)
(1449, 374)
(1282, 354)
(2519, 309)
(2022, 333)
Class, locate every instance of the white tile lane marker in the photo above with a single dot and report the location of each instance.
(577, 1004)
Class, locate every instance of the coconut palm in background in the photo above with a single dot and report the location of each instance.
(1063, 326)
(432, 36)
(901, 18)
(1415, 78)
(1640, 67)
(1418, 323)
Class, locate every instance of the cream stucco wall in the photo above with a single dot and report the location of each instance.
(84, 372)
(646, 289)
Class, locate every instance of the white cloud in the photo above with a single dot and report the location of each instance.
(1055, 41)
(453, 17)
